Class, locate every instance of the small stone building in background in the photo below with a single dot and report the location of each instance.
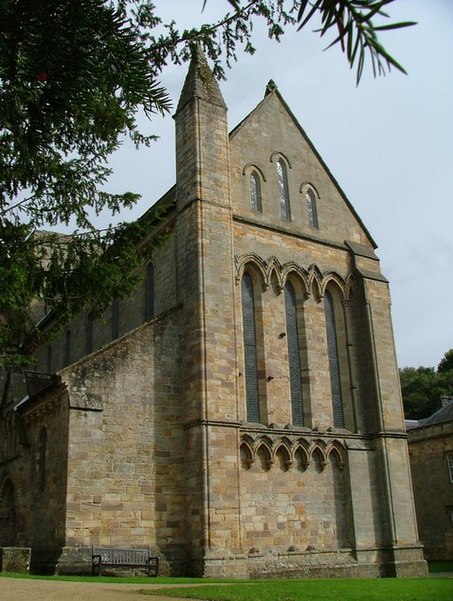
(431, 458)
(240, 414)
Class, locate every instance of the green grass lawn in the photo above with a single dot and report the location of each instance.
(385, 589)
(388, 589)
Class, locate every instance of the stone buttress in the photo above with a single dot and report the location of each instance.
(205, 286)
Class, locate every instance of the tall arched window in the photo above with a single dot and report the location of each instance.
(250, 351)
(42, 456)
(255, 192)
(293, 356)
(149, 292)
(311, 208)
(283, 190)
(334, 363)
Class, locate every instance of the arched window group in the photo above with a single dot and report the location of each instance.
(255, 178)
(115, 323)
(298, 387)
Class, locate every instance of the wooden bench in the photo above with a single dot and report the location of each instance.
(123, 558)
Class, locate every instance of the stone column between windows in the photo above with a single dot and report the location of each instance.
(276, 353)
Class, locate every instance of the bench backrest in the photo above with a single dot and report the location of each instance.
(115, 556)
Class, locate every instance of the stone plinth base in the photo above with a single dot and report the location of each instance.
(406, 562)
(345, 563)
(15, 559)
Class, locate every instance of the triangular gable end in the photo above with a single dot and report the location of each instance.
(258, 115)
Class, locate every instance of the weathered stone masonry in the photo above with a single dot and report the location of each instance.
(149, 437)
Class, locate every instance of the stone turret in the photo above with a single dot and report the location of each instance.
(206, 288)
(201, 137)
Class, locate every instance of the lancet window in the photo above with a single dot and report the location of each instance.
(250, 349)
(283, 190)
(311, 208)
(255, 192)
(293, 355)
(334, 363)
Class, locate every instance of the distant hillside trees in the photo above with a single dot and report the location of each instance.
(423, 387)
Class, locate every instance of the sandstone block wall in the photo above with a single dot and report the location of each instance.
(433, 490)
(125, 448)
(35, 475)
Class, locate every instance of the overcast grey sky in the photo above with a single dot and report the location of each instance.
(389, 144)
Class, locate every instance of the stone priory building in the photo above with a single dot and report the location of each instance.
(240, 414)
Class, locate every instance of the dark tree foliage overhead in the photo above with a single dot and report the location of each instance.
(73, 77)
(423, 387)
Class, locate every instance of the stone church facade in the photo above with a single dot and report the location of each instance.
(241, 413)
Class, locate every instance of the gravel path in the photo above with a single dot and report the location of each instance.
(17, 589)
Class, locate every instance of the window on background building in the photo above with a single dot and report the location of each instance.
(311, 208)
(250, 350)
(450, 466)
(334, 363)
(293, 355)
(283, 190)
(42, 453)
(149, 292)
(255, 192)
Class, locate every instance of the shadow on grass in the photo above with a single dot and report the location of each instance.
(440, 566)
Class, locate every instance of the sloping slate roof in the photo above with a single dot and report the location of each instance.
(445, 414)
(411, 424)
